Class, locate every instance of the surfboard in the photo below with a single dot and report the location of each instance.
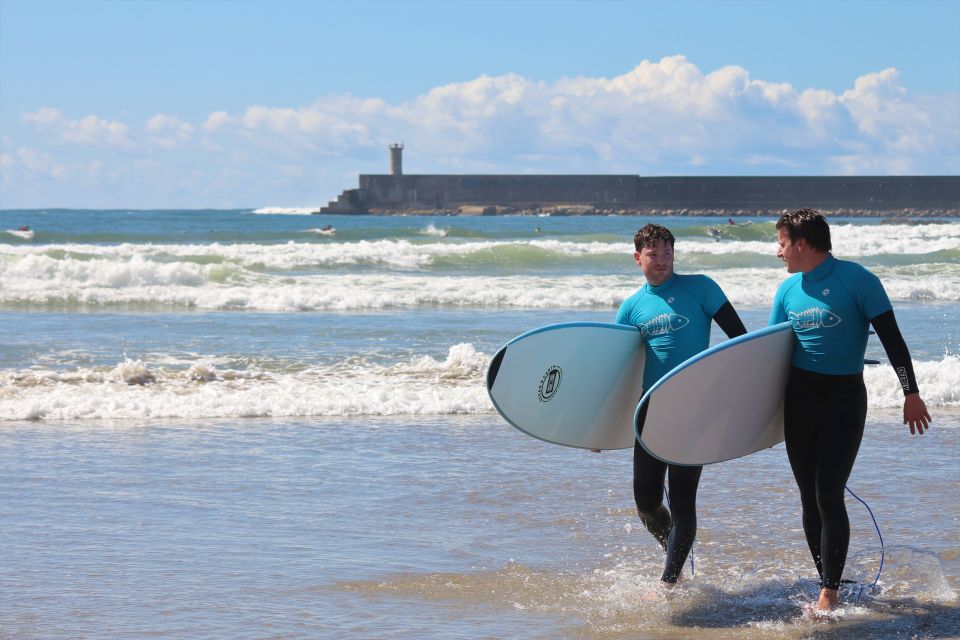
(26, 234)
(574, 384)
(723, 403)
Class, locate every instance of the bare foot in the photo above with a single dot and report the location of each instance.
(670, 586)
(829, 600)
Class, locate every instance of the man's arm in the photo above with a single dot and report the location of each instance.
(914, 410)
(727, 319)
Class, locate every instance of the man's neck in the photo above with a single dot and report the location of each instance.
(814, 260)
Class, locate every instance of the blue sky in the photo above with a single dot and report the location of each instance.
(236, 104)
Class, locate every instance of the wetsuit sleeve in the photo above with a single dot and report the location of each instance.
(888, 331)
(727, 319)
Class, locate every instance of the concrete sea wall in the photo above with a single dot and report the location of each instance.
(854, 195)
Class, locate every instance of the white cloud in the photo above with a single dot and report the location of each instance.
(663, 117)
(333, 125)
(38, 163)
(659, 117)
(217, 120)
(89, 130)
(46, 117)
(168, 131)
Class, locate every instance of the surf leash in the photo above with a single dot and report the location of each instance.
(872, 587)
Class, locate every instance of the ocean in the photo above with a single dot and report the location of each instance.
(240, 424)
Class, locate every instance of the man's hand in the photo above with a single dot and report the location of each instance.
(915, 414)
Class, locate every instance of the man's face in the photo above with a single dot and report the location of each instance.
(789, 251)
(656, 262)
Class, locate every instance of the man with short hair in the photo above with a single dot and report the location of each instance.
(673, 313)
(831, 304)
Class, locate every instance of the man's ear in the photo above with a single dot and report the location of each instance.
(636, 257)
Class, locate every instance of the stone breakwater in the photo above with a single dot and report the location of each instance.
(907, 196)
(909, 215)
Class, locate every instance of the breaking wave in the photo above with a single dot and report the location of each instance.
(355, 386)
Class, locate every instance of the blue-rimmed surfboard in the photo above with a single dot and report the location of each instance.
(574, 384)
(724, 403)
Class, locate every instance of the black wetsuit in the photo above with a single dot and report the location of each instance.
(824, 417)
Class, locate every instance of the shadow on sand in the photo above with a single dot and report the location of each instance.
(871, 618)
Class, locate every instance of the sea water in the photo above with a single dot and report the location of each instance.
(236, 424)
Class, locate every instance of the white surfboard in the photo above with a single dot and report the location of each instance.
(26, 234)
(723, 403)
(574, 384)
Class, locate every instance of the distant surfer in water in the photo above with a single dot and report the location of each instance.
(673, 313)
(831, 304)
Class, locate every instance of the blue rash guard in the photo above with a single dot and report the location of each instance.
(830, 309)
(674, 320)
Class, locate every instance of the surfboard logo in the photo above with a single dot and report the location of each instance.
(814, 318)
(549, 383)
(663, 324)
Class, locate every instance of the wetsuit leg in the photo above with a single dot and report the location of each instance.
(648, 478)
(683, 510)
(676, 528)
(799, 420)
(824, 418)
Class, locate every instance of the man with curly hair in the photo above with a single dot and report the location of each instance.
(674, 314)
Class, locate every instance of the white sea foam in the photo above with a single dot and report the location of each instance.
(134, 389)
(43, 281)
(339, 275)
(403, 254)
(423, 385)
(852, 242)
(133, 372)
(287, 211)
(939, 383)
(431, 230)
(96, 282)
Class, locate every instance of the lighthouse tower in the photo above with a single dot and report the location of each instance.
(396, 159)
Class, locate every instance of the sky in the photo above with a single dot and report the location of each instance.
(235, 104)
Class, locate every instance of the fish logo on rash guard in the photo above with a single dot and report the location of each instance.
(663, 324)
(813, 318)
